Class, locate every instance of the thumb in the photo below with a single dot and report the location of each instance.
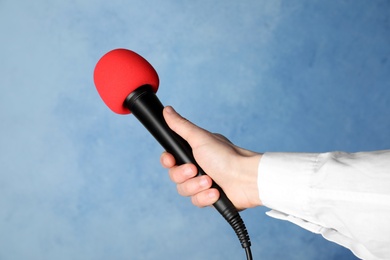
(186, 129)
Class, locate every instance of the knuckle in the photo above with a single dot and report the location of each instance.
(222, 137)
(196, 202)
(172, 176)
(175, 174)
(180, 190)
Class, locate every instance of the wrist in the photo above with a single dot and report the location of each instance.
(251, 164)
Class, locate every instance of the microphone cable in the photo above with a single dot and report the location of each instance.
(239, 227)
(248, 253)
(234, 219)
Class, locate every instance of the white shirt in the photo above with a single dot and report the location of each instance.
(343, 196)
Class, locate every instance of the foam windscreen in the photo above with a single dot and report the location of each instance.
(118, 73)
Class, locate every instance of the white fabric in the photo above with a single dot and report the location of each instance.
(345, 197)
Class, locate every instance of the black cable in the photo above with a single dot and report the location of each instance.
(248, 253)
(236, 222)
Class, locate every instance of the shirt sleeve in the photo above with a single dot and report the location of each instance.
(345, 197)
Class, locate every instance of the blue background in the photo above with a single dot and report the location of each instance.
(80, 182)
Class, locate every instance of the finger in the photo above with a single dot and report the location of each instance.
(183, 127)
(167, 160)
(194, 185)
(205, 198)
(182, 173)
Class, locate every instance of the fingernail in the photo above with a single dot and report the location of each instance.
(169, 110)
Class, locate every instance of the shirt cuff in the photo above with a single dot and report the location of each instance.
(284, 182)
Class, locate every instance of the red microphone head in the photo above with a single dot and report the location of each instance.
(118, 73)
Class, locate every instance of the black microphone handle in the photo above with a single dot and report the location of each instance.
(147, 108)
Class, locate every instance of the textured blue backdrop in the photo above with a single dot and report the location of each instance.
(79, 182)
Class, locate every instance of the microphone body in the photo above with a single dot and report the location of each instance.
(148, 109)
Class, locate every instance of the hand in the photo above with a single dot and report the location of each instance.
(234, 169)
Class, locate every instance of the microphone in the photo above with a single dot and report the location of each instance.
(127, 83)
